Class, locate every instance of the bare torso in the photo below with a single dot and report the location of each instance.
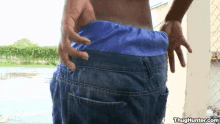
(129, 12)
(136, 13)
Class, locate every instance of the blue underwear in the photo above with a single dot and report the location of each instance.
(124, 39)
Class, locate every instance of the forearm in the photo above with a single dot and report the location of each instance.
(178, 10)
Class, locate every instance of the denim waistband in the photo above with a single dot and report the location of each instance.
(124, 39)
(119, 62)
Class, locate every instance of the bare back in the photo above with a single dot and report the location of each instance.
(136, 13)
(129, 12)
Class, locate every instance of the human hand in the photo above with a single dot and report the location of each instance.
(176, 38)
(77, 13)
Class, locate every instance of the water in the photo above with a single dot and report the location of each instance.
(26, 99)
(43, 73)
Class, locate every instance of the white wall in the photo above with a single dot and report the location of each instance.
(197, 86)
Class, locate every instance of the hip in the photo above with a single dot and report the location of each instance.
(111, 88)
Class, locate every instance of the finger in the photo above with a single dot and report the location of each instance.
(171, 61)
(73, 36)
(65, 59)
(180, 56)
(68, 31)
(66, 47)
(74, 11)
(187, 45)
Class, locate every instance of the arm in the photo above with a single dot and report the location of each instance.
(173, 29)
(178, 10)
(73, 12)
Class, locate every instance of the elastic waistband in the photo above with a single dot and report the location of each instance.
(103, 26)
(116, 37)
(119, 62)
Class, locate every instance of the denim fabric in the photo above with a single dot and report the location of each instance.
(124, 39)
(110, 88)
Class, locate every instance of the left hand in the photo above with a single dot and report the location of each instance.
(77, 13)
(176, 39)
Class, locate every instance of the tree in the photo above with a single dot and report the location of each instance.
(24, 42)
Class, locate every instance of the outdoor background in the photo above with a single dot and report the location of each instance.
(28, 57)
(37, 20)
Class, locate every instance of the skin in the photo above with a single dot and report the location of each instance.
(136, 13)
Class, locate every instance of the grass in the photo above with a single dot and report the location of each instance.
(15, 63)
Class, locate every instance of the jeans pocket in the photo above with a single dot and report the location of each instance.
(87, 111)
(162, 101)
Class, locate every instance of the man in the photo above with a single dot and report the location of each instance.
(122, 74)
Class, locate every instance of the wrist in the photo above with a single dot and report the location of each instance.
(168, 19)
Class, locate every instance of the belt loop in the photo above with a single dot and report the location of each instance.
(148, 67)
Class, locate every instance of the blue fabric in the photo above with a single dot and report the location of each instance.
(115, 37)
(123, 82)
(110, 88)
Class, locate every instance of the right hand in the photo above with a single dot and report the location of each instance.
(77, 13)
(176, 39)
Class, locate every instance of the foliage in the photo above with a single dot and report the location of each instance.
(29, 52)
(24, 42)
(214, 54)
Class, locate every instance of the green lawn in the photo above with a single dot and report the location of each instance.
(14, 63)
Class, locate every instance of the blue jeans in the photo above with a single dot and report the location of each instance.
(110, 88)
